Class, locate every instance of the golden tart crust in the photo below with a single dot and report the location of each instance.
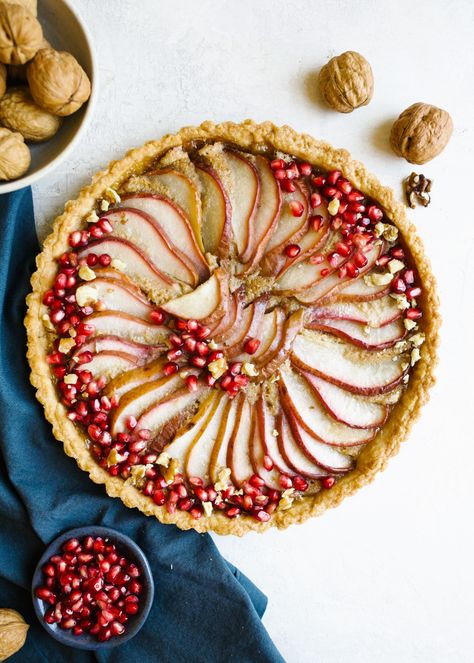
(251, 136)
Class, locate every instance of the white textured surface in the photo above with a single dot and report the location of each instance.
(387, 576)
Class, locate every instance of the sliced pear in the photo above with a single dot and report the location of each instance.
(115, 323)
(300, 400)
(269, 433)
(143, 231)
(115, 295)
(257, 456)
(238, 451)
(245, 196)
(198, 457)
(138, 400)
(134, 378)
(370, 338)
(216, 212)
(135, 264)
(169, 407)
(292, 453)
(110, 364)
(140, 351)
(362, 372)
(218, 459)
(376, 313)
(289, 227)
(175, 225)
(293, 326)
(207, 303)
(355, 411)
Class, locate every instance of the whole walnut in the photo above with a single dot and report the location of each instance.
(21, 34)
(421, 132)
(18, 112)
(15, 157)
(57, 82)
(3, 79)
(346, 82)
(17, 72)
(13, 630)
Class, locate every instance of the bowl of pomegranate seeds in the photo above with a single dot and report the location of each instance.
(92, 588)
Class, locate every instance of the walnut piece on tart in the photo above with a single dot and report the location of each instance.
(234, 327)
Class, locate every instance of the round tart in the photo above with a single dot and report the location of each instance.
(233, 327)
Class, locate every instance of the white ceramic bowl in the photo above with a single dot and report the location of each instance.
(65, 31)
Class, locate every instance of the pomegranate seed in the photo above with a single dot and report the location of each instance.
(414, 314)
(288, 186)
(382, 261)
(319, 181)
(268, 463)
(170, 368)
(105, 260)
(296, 208)
(201, 494)
(324, 272)
(292, 171)
(316, 259)
(44, 593)
(285, 481)
(256, 481)
(232, 512)
(397, 252)
(276, 164)
(192, 382)
(263, 516)
(235, 368)
(105, 225)
(300, 484)
(328, 482)
(343, 249)
(214, 355)
(130, 422)
(315, 200)
(197, 361)
(292, 250)
(131, 608)
(251, 346)
(305, 169)
(344, 186)
(195, 512)
(92, 259)
(374, 213)
(84, 358)
(333, 176)
(71, 545)
(159, 497)
(280, 174)
(75, 238)
(203, 332)
(196, 481)
(158, 317)
(413, 292)
(398, 285)
(352, 270)
(360, 259)
(409, 276)
(172, 355)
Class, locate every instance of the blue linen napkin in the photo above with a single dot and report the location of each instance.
(204, 608)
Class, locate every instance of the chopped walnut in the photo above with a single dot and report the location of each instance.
(217, 368)
(170, 471)
(92, 217)
(86, 295)
(333, 207)
(66, 345)
(417, 190)
(86, 273)
(71, 378)
(207, 506)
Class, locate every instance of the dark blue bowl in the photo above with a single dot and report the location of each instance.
(127, 548)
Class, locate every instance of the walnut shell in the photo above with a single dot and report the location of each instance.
(30, 5)
(346, 82)
(15, 157)
(17, 72)
(421, 132)
(21, 34)
(57, 82)
(18, 112)
(13, 630)
(3, 79)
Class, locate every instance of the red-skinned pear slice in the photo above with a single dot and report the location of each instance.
(333, 281)
(289, 228)
(168, 408)
(359, 371)
(238, 332)
(179, 447)
(356, 290)
(370, 338)
(143, 231)
(245, 194)
(257, 456)
(327, 457)
(174, 225)
(139, 399)
(140, 351)
(266, 214)
(293, 326)
(198, 458)
(181, 190)
(268, 332)
(378, 313)
(292, 453)
(301, 402)
(238, 456)
(262, 359)
(114, 323)
(269, 433)
(355, 411)
(218, 459)
(207, 303)
(228, 318)
(134, 378)
(110, 364)
(115, 295)
(257, 307)
(216, 212)
(135, 264)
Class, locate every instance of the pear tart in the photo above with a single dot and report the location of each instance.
(233, 327)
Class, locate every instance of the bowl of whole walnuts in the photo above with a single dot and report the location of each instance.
(47, 86)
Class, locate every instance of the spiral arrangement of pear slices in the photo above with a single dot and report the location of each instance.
(297, 284)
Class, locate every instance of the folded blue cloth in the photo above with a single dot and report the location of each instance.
(204, 608)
